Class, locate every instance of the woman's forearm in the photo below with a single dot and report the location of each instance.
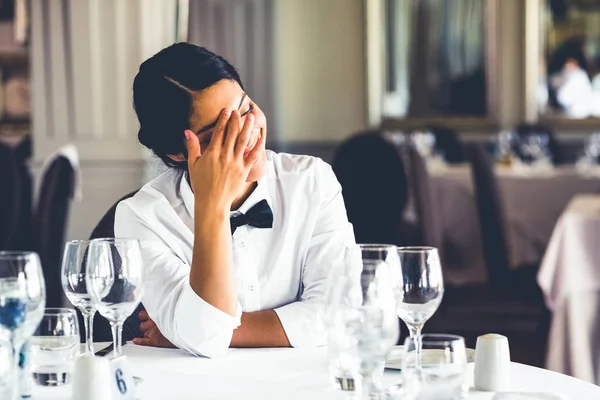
(212, 274)
(260, 329)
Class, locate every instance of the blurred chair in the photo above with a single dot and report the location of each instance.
(23, 239)
(448, 141)
(496, 250)
(375, 189)
(524, 130)
(102, 331)
(428, 210)
(49, 224)
(510, 303)
(10, 201)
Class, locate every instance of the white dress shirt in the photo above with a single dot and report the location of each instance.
(282, 268)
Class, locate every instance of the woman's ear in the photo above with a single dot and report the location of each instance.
(177, 157)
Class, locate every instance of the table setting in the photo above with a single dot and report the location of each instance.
(366, 294)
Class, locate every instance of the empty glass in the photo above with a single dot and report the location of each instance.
(73, 275)
(115, 281)
(54, 347)
(362, 323)
(419, 287)
(535, 148)
(22, 302)
(435, 368)
(424, 143)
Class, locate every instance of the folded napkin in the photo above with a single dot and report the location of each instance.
(528, 396)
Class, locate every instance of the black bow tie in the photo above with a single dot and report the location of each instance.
(258, 216)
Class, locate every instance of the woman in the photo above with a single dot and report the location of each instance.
(237, 240)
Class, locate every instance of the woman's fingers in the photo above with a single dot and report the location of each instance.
(146, 325)
(244, 136)
(256, 152)
(233, 131)
(143, 341)
(218, 134)
(193, 147)
(143, 315)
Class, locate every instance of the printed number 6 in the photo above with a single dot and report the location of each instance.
(120, 382)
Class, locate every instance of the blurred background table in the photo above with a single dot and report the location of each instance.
(570, 278)
(533, 203)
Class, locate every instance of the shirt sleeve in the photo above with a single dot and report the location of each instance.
(182, 316)
(303, 320)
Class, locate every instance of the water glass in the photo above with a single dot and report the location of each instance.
(22, 302)
(115, 281)
(54, 347)
(419, 287)
(6, 375)
(362, 323)
(435, 368)
(73, 280)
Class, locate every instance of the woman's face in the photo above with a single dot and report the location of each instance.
(209, 104)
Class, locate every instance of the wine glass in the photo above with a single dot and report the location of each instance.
(73, 275)
(362, 322)
(115, 281)
(435, 368)
(420, 286)
(22, 302)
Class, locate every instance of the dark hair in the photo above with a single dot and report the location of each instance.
(163, 93)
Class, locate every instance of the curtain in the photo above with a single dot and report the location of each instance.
(84, 56)
(242, 32)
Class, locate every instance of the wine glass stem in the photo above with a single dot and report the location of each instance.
(88, 321)
(117, 328)
(415, 334)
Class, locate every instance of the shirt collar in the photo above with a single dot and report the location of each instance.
(261, 192)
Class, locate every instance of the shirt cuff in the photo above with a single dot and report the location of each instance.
(303, 324)
(201, 328)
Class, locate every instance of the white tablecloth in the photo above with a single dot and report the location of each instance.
(280, 374)
(570, 279)
(532, 204)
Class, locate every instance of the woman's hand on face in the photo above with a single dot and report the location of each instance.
(218, 174)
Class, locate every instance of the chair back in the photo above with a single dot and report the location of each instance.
(374, 186)
(23, 240)
(131, 328)
(50, 223)
(10, 201)
(491, 215)
(448, 141)
(426, 203)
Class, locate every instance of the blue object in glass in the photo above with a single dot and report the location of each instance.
(12, 313)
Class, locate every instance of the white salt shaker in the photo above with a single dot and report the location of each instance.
(91, 378)
(492, 363)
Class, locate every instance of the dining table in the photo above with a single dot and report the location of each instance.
(284, 373)
(532, 202)
(569, 277)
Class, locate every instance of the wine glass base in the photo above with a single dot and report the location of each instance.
(52, 379)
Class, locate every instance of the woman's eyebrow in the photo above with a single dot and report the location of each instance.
(212, 125)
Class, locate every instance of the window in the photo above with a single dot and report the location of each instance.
(569, 82)
(435, 59)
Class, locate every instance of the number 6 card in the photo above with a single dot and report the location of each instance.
(123, 385)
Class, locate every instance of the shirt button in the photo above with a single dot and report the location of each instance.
(243, 244)
(251, 287)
